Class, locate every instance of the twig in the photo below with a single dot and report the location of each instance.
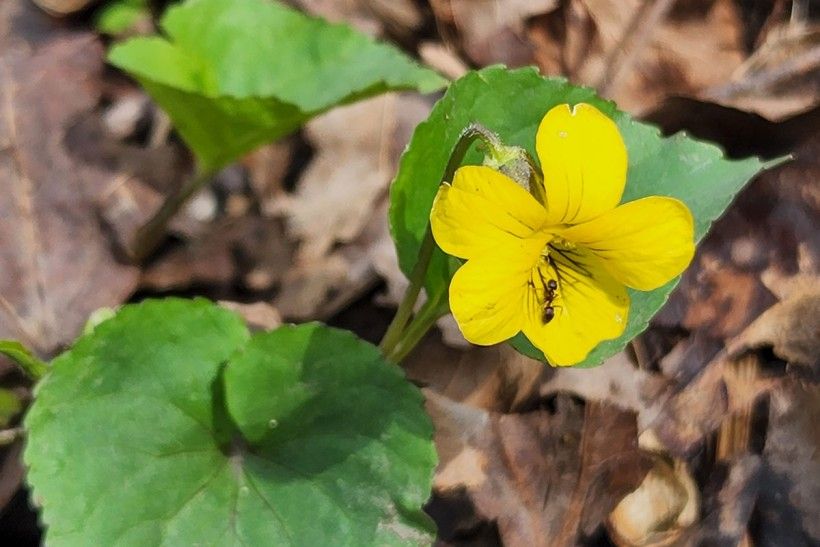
(160, 129)
(641, 355)
(150, 235)
(799, 64)
(635, 38)
(800, 13)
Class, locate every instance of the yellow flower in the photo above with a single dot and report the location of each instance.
(558, 271)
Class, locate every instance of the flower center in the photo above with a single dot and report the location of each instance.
(562, 244)
(561, 264)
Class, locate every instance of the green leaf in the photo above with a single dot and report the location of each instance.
(512, 103)
(118, 16)
(131, 442)
(26, 360)
(234, 74)
(340, 432)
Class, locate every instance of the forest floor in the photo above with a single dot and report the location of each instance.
(711, 416)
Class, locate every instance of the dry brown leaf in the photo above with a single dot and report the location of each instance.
(350, 171)
(684, 55)
(338, 212)
(206, 261)
(385, 261)
(790, 483)
(259, 316)
(698, 388)
(125, 207)
(442, 59)
(318, 289)
(686, 417)
(765, 239)
(492, 31)
(638, 53)
(400, 17)
(683, 418)
(791, 327)
(616, 382)
(57, 264)
(496, 378)
(64, 7)
(740, 134)
(695, 49)
(352, 12)
(22, 24)
(267, 167)
(451, 333)
(248, 250)
(729, 499)
(545, 478)
(656, 513)
(723, 298)
(563, 39)
(124, 116)
(689, 357)
(781, 77)
(306, 292)
(89, 140)
(142, 176)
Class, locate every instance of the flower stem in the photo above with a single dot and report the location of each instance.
(405, 311)
(150, 234)
(403, 334)
(423, 321)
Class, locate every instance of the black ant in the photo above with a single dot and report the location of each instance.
(549, 311)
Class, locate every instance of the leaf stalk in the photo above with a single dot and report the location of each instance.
(150, 235)
(406, 330)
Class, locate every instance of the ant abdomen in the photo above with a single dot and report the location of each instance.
(549, 313)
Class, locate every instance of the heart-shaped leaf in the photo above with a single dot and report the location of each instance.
(511, 103)
(234, 74)
(169, 424)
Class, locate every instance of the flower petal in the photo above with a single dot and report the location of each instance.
(487, 293)
(643, 243)
(483, 210)
(590, 306)
(583, 158)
